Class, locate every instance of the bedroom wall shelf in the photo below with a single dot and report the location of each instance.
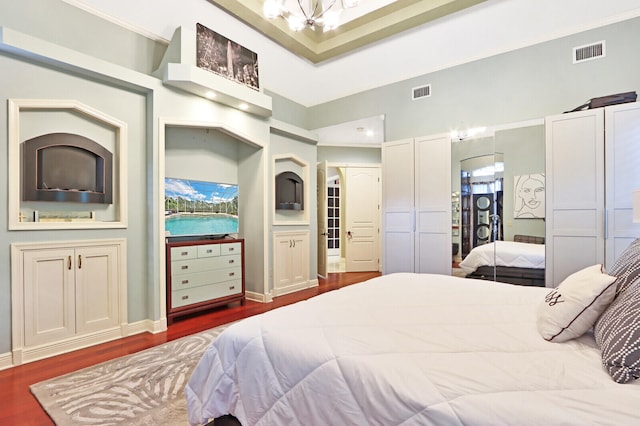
(178, 69)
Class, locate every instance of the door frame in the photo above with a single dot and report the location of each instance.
(342, 211)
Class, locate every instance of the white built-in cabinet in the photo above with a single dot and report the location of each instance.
(66, 296)
(592, 168)
(416, 205)
(290, 261)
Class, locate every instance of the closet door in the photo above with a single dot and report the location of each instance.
(433, 204)
(622, 176)
(575, 193)
(398, 206)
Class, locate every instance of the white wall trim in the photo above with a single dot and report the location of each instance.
(110, 18)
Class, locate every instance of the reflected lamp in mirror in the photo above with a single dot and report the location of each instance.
(636, 206)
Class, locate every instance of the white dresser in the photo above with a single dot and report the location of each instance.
(202, 274)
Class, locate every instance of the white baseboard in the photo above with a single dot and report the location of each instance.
(295, 287)
(258, 297)
(147, 326)
(6, 361)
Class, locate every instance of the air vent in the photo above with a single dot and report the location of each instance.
(588, 52)
(421, 92)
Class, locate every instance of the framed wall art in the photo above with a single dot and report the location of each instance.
(221, 56)
(529, 195)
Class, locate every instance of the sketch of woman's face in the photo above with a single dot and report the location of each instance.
(532, 193)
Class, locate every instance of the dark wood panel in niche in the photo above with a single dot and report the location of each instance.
(66, 167)
(289, 191)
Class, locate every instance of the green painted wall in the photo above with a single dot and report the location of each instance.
(524, 84)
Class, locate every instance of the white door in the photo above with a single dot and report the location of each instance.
(433, 204)
(321, 183)
(622, 158)
(397, 203)
(575, 193)
(362, 214)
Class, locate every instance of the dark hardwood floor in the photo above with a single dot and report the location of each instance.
(19, 407)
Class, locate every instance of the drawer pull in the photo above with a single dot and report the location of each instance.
(184, 253)
(231, 274)
(209, 251)
(231, 261)
(232, 287)
(232, 248)
(183, 267)
(185, 297)
(184, 282)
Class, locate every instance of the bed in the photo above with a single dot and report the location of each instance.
(521, 261)
(408, 349)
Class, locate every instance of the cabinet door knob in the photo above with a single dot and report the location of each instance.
(209, 251)
(231, 261)
(231, 248)
(232, 287)
(184, 282)
(184, 253)
(231, 274)
(185, 267)
(185, 297)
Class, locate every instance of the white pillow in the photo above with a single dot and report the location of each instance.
(572, 308)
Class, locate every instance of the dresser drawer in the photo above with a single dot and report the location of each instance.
(205, 293)
(230, 248)
(209, 250)
(182, 267)
(186, 252)
(196, 279)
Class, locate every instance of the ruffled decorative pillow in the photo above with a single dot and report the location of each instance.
(572, 308)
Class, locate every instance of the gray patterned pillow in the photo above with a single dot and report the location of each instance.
(627, 267)
(617, 331)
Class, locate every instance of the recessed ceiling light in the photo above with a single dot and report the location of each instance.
(370, 133)
(210, 94)
(244, 106)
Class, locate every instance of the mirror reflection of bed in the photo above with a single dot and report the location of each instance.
(498, 205)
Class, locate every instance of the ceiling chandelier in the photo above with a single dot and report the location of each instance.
(308, 13)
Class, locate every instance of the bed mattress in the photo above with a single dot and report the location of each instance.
(505, 253)
(407, 349)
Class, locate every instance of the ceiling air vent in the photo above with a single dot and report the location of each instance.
(588, 52)
(421, 92)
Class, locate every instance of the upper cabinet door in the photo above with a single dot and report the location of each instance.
(622, 170)
(575, 193)
(398, 218)
(433, 204)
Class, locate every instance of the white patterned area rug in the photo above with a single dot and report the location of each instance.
(145, 388)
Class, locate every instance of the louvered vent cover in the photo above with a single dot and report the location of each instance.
(588, 52)
(421, 92)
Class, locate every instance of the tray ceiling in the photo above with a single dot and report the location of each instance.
(377, 23)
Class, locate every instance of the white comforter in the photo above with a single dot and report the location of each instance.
(507, 253)
(407, 349)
